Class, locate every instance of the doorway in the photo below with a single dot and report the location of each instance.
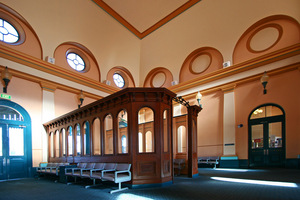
(267, 136)
(15, 141)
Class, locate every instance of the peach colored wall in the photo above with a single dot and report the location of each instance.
(31, 44)
(210, 125)
(56, 22)
(282, 90)
(66, 102)
(29, 96)
(218, 24)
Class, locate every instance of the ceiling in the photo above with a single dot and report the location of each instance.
(142, 17)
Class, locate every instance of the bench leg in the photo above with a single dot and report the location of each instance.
(118, 190)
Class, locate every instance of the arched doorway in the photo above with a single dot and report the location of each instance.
(15, 141)
(267, 136)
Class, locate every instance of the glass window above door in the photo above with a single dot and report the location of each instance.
(266, 111)
(8, 113)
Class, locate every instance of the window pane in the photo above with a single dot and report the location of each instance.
(181, 139)
(273, 111)
(257, 134)
(78, 140)
(8, 32)
(70, 141)
(122, 132)
(64, 142)
(57, 144)
(96, 137)
(108, 135)
(259, 113)
(86, 138)
(75, 61)
(275, 135)
(146, 129)
(16, 141)
(8, 113)
(51, 145)
(119, 80)
(166, 131)
(1, 154)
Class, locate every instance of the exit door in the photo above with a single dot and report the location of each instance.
(267, 139)
(15, 141)
(12, 154)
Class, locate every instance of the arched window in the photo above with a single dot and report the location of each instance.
(96, 139)
(78, 140)
(51, 144)
(70, 141)
(122, 132)
(63, 132)
(57, 144)
(76, 61)
(86, 137)
(108, 135)
(166, 131)
(146, 127)
(181, 139)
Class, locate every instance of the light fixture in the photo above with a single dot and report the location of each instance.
(80, 98)
(6, 76)
(198, 97)
(264, 80)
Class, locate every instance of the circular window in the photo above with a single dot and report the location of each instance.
(119, 80)
(75, 61)
(8, 33)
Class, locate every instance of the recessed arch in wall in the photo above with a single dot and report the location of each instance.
(91, 69)
(28, 42)
(124, 73)
(159, 77)
(201, 61)
(267, 35)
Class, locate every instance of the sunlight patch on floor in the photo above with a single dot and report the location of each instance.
(249, 181)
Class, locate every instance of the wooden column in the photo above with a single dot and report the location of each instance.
(192, 140)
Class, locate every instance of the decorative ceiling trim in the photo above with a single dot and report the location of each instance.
(151, 29)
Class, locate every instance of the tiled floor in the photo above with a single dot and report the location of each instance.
(202, 187)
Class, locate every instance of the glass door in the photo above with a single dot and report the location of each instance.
(266, 138)
(12, 153)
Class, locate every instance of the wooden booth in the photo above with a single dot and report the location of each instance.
(132, 126)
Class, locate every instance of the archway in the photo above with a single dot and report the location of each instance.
(15, 141)
(267, 136)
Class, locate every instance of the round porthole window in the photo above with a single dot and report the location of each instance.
(119, 80)
(76, 61)
(8, 33)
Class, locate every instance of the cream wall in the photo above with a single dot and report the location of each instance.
(209, 23)
(81, 21)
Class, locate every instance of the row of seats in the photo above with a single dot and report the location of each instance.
(50, 168)
(210, 160)
(115, 172)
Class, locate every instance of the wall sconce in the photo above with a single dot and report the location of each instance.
(6, 77)
(264, 80)
(198, 97)
(80, 98)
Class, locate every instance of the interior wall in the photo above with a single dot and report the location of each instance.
(56, 22)
(201, 26)
(282, 90)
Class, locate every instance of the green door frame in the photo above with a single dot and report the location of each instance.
(267, 154)
(26, 124)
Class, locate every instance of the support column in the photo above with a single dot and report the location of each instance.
(192, 140)
(48, 113)
(229, 158)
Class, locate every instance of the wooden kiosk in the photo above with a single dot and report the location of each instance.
(133, 126)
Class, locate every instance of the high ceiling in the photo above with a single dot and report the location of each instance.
(142, 17)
